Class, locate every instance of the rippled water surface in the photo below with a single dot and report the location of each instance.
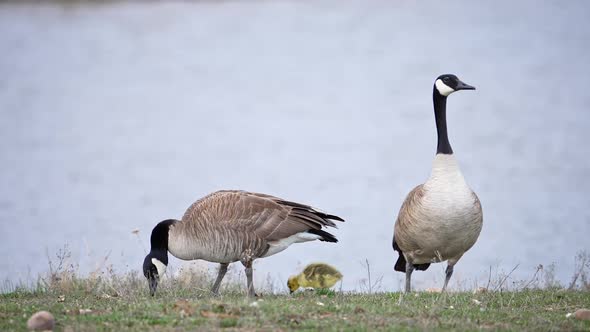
(114, 117)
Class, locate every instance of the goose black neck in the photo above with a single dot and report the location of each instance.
(159, 238)
(440, 114)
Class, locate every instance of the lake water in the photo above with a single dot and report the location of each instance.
(116, 116)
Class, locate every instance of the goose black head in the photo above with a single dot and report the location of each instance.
(155, 263)
(449, 83)
(153, 269)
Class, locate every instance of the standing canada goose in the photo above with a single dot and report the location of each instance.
(442, 218)
(229, 226)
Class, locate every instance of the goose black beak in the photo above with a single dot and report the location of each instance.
(153, 282)
(291, 292)
(464, 86)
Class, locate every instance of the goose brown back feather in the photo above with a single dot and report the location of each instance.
(271, 218)
(230, 221)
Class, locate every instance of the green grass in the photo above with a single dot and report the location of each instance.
(106, 301)
(180, 309)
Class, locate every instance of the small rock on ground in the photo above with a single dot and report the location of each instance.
(41, 321)
(582, 314)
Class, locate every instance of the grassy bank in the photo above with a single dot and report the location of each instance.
(181, 309)
(105, 300)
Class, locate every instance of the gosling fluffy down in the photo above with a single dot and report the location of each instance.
(316, 275)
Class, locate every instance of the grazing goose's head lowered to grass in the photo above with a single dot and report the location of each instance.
(155, 263)
(234, 226)
(448, 83)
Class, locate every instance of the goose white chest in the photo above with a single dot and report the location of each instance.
(447, 217)
(447, 197)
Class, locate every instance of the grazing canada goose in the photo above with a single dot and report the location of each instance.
(229, 226)
(316, 275)
(442, 218)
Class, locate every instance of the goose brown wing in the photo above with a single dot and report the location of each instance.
(271, 218)
(403, 239)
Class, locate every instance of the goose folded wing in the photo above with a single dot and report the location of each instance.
(272, 218)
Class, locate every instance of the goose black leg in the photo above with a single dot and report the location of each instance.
(251, 292)
(409, 270)
(449, 273)
(247, 259)
(220, 275)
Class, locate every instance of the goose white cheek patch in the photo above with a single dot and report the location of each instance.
(161, 267)
(443, 89)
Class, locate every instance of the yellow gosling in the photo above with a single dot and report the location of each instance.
(316, 275)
